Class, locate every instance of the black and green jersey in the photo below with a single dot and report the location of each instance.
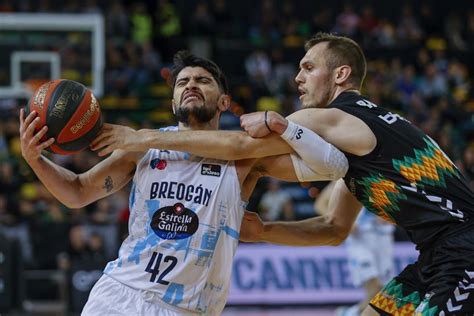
(407, 179)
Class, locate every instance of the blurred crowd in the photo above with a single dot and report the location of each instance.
(418, 66)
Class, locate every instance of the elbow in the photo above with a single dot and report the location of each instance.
(338, 173)
(338, 233)
(337, 164)
(342, 170)
(337, 240)
(73, 204)
(77, 200)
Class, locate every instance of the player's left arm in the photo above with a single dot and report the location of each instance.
(331, 229)
(289, 168)
(280, 167)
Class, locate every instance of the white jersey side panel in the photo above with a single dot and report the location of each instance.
(185, 216)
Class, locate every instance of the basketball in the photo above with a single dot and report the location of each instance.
(70, 111)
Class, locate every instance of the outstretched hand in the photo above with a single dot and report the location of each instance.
(251, 229)
(113, 137)
(32, 143)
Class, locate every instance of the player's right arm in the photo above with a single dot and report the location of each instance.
(225, 145)
(346, 132)
(71, 189)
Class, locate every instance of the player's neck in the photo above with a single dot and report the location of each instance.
(209, 126)
(340, 90)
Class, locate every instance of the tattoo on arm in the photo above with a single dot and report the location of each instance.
(108, 184)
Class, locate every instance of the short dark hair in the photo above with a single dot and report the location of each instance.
(184, 58)
(342, 51)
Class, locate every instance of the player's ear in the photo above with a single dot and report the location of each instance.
(342, 74)
(224, 102)
(173, 106)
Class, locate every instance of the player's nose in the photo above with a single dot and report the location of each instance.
(191, 84)
(299, 77)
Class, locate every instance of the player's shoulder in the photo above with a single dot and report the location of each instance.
(352, 98)
(326, 116)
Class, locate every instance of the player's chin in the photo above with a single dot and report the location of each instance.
(308, 105)
(305, 103)
(193, 103)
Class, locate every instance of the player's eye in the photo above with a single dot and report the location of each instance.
(205, 80)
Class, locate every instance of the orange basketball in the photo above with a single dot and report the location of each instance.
(70, 111)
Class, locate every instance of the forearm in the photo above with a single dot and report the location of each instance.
(225, 145)
(316, 231)
(322, 161)
(60, 182)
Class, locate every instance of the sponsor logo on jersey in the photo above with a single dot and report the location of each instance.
(158, 163)
(174, 222)
(208, 169)
(180, 191)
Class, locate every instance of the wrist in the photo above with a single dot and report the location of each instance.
(34, 163)
(277, 123)
(290, 131)
(265, 232)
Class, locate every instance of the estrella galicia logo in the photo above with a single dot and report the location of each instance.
(158, 163)
(174, 222)
(208, 169)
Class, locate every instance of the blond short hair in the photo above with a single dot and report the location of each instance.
(342, 51)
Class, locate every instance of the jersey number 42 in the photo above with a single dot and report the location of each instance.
(154, 264)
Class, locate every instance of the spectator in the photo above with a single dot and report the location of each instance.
(141, 24)
(406, 85)
(432, 84)
(454, 29)
(470, 29)
(168, 28)
(385, 34)
(117, 22)
(222, 17)
(276, 204)
(321, 20)
(467, 164)
(202, 21)
(92, 7)
(16, 228)
(408, 29)
(259, 69)
(347, 22)
(282, 73)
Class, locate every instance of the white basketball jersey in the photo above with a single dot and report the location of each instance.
(185, 216)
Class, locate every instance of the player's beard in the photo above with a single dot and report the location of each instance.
(321, 103)
(200, 114)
